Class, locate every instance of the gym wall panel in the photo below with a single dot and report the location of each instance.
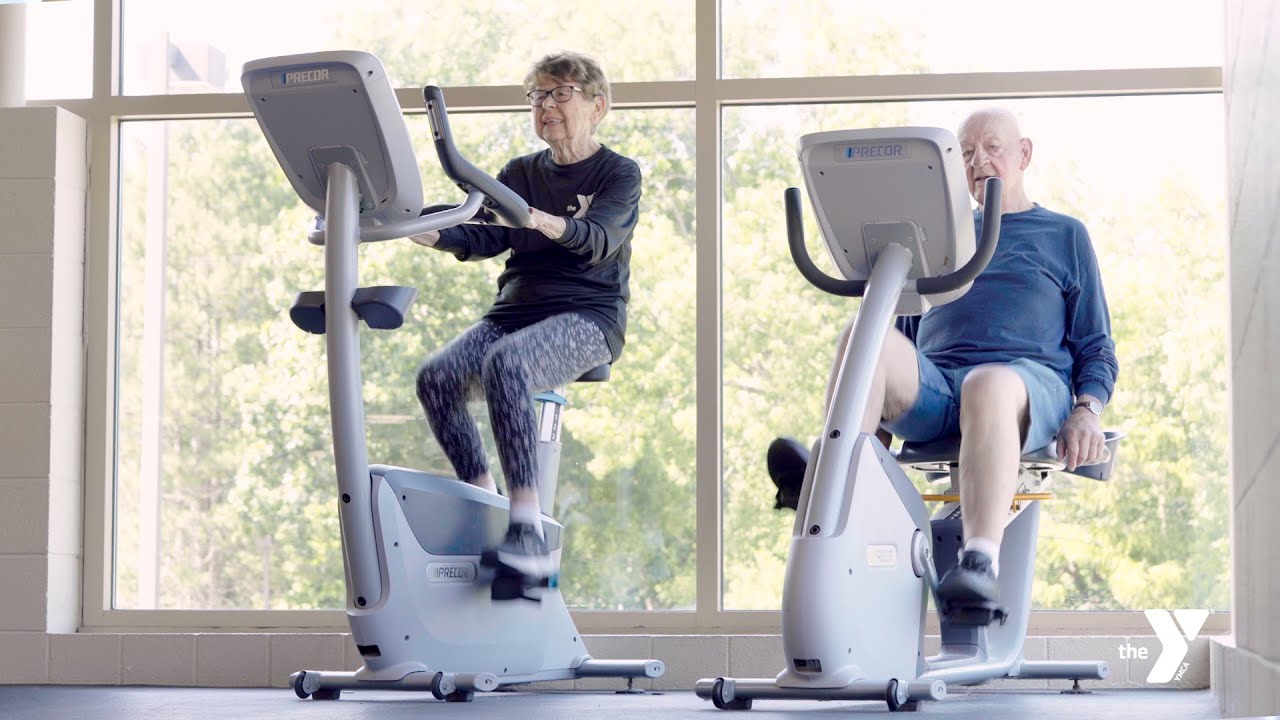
(24, 364)
(23, 596)
(84, 660)
(24, 516)
(28, 141)
(158, 659)
(43, 176)
(1249, 672)
(24, 442)
(26, 287)
(690, 658)
(26, 215)
(291, 653)
(233, 660)
(25, 659)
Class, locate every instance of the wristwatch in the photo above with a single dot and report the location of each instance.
(1094, 406)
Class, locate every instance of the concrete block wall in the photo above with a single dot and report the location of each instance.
(267, 660)
(43, 179)
(1250, 666)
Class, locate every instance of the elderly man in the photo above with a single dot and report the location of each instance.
(1024, 355)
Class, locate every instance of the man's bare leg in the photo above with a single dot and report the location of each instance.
(894, 390)
(896, 384)
(993, 413)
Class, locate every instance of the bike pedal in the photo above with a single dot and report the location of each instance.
(978, 614)
(510, 584)
(508, 587)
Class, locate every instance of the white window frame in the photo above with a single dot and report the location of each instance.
(707, 95)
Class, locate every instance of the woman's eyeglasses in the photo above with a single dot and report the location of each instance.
(560, 93)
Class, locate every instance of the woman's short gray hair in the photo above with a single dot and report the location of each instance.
(574, 67)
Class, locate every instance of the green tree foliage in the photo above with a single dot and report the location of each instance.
(492, 42)
(1156, 536)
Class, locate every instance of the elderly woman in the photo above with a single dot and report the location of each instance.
(562, 298)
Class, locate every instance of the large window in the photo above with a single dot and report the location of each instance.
(776, 38)
(225, 484)
(176, 47)
(210, 484)
(59, 50)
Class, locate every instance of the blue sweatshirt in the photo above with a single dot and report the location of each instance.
(1040, 298)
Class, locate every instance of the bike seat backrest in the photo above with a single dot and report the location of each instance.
(943, 454)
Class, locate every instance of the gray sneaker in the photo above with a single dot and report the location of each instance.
(971, 580)
(968, 592)
(521, 560)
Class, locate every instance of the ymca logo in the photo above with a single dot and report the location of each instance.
(584, 202)
(1172, 642)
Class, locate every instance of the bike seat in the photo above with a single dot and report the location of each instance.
(942, 454)
(599, 373)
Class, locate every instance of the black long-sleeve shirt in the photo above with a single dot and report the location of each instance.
(586, 270)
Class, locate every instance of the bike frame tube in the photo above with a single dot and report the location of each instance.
(853, 388)
(346, 403)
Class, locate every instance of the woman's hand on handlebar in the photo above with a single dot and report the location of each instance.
(552, 226)
(426, 239)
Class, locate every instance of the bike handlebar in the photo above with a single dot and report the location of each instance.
(924, 286)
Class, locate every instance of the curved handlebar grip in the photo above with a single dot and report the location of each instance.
(991, 208)
(437, 219)
(438, 207)
(504, 201)
(800, 254)
(483, 216)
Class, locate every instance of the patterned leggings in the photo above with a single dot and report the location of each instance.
(507, 367)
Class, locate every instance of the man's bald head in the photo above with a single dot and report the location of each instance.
(992, 146)
(998, 119)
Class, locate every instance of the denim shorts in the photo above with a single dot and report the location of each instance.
(936, 412)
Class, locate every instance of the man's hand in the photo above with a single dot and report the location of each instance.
(1081, 440)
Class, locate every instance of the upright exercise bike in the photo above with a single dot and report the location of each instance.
(411, 541)
(893, 208)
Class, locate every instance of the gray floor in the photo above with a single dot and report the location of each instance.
(53, 703)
